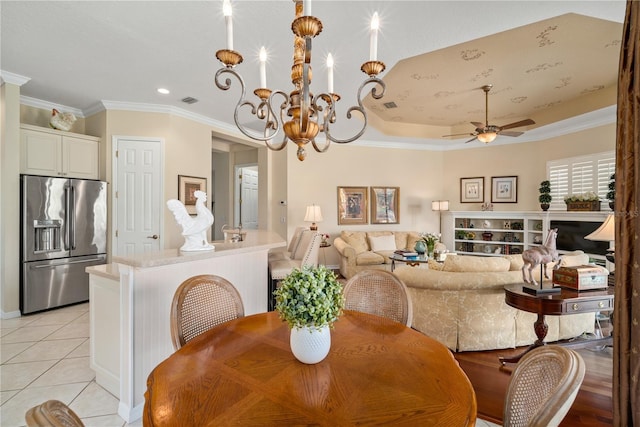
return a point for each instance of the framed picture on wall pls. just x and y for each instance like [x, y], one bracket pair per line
[187, 186]
[352, 205]
[385, 205]
[472, 190]
[504, 189]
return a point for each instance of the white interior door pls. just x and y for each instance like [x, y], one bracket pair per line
[137, 195]
[247, 189]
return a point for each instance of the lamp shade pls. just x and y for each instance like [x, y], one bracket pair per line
[606, 232]
[487, 137]
[440, 205]
[313, 215]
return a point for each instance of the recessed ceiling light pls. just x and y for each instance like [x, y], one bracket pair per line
[163, 91]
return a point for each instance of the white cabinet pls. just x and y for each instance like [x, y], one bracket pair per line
[54, 153]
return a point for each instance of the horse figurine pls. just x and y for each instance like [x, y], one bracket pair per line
[540, 255]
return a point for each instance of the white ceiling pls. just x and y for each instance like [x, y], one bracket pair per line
[85, 54]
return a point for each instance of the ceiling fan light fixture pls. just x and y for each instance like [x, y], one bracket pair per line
[487, 137]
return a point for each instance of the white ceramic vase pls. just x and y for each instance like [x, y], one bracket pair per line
[310, 345]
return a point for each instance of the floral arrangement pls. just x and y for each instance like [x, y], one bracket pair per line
[311, 296]
[324, 237]
[589, 196]
[430, 238]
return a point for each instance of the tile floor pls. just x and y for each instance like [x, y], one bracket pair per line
[46, 356]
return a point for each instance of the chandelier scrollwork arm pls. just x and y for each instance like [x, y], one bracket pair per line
[360, 108]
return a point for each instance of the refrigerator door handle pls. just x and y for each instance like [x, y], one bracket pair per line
[72, 217]
[67, 199]
[37, 267]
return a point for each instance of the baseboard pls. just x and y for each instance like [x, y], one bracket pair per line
[10, 314]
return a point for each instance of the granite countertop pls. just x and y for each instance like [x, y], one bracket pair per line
[255, 240]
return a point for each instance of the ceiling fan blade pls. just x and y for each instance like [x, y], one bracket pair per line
[525, 122]
[472, 139]
[510, 133]
[460, 134]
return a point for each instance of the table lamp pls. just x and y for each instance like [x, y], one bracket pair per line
[606, 233]
[313, 215]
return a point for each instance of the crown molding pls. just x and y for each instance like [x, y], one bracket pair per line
[46, 105]
[12, 78]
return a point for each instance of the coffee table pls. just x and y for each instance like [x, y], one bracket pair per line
[568, 301]
[412, 261]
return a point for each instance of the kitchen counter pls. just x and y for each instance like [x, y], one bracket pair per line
[130, 302]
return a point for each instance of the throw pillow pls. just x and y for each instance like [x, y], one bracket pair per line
[382, 243]
[357, 239]
[475, 264]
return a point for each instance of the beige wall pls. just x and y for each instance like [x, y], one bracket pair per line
[9, 199]
[527, 161]
[316, 180]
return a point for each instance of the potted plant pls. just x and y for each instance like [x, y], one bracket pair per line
[545, 196]
[310, 300]
[427, 243]
[611, 194]
[588, 201]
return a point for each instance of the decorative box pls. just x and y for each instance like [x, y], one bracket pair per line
[593, 205]
[581, 278]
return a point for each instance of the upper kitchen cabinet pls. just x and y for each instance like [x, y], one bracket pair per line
[55, 153]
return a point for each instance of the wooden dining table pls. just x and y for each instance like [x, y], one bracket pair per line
[378, 372]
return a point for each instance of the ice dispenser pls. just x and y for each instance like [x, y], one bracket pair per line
[47, 236]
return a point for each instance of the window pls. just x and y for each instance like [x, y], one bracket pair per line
[576, 175]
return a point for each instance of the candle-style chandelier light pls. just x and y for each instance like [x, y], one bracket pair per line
[301, 115]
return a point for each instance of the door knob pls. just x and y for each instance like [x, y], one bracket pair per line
[154, 237]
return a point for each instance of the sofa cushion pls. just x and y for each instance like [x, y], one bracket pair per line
[357, 239]
[369, 258]
[435, 265]
[574, 259]
[461, 263]
[382, 243]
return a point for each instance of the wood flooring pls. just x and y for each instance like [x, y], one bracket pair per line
[593, 405]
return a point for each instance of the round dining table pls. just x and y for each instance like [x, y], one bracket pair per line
[242, 372]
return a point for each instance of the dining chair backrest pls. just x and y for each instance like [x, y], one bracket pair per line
[543, 387]
[52, 413]
[379, 292]
[200, 303]
[295, 239]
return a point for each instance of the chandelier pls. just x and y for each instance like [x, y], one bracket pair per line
[300, 115]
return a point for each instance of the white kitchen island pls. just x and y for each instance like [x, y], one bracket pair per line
[130, 302]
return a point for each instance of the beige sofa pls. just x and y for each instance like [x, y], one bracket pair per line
[461, 303]
[360, 250]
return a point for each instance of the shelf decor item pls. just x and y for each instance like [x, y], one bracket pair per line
[584, 202]
[310, 300]
[545, 196]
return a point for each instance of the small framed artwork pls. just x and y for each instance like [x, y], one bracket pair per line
[504, 189]
[352, 205]
[385, 205]
[187, 186]
[472, 190]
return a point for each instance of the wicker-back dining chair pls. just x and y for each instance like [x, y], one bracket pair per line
[543, 387]
[200, 303]
[52, 413]
[379, 292]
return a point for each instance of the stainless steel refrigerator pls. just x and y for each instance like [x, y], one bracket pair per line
[63, 230]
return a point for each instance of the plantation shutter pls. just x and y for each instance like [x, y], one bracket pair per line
[577, 175]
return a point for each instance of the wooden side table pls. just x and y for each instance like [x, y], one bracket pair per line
[568, 301]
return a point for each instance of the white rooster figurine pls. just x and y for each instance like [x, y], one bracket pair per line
[61, 121]
[195, 229]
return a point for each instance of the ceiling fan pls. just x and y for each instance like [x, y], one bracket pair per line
[485, 132]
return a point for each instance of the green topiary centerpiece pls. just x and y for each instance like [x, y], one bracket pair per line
[545, 196]
[310, 300]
